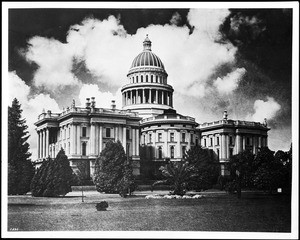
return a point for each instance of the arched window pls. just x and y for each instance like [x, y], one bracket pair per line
[151, 78]
[156, 79]
[172, 151]
[159, 152]
[84, 149]
[146, 78]
[137, 79]
[142, 78]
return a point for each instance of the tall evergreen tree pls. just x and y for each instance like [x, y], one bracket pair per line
[20, 167]
[113, 172]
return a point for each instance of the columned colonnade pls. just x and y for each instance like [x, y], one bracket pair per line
[147, 95]
[94, 143]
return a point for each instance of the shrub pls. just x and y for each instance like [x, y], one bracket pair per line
[102, 206]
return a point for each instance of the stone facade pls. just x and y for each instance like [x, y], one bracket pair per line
[147, 122]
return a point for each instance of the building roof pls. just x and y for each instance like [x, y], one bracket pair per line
[147, 57]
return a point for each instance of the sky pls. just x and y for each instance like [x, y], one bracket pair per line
[239, 60]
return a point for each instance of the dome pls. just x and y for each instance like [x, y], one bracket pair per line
[147, 57]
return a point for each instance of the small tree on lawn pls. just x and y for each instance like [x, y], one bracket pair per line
[241, 170]
[62, 177]
[269, 170]
[40, 180]
[53, 178]
[179, 175]
[20, 168]
[206, 165]
[113, 171]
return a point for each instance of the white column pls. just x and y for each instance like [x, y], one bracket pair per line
[227, 146]
[165, 136]
[116, 133]
[254, 144]
[97, 139]
[223, 147]
[238, 144]
[133, 142]
[178, 145]
[244, 143]
[137, 141]
[156, 96]
[124, 139]
[92, 139]
[150, 96]
[72, 138]
[188, 135]
[38, 145]
[47, 142]
[100, 138]
[144, 96]
[78, 140]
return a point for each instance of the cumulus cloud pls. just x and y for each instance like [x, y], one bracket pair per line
[32, 106]
[265, 109]
[230, 82]
[17, 88]
[55, 61]
[108, 51]
[103, 99]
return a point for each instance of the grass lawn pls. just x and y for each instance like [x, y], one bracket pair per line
[214, 212]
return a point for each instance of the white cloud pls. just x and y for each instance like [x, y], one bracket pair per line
[265, 109]
[55, 61]
[103, 99]
[17, 88]
[230, 82]
[108, 51]
[31, 106]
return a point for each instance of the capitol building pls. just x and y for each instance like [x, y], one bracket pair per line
[149, 128]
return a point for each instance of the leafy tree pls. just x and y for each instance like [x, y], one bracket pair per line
[268, 173]
[20, 168]
[113, 172]
[206, 165]
[53, 178]
[179, 175]
[241, 170]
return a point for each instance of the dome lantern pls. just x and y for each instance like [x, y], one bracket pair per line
[147, 44]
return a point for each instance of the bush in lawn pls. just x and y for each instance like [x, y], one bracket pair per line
[179, 175]
[102, 206]
[53, 178]
[113, 171]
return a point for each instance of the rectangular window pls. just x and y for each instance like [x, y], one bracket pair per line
[107, 132]
[192, 138]
[218, 153]
[160, 137]
[69, 132]
[230, 152]
[230, 140]
[172, 151]
[84, 131]
[218, 141]
[183, 137]
[172, 137]
[150, 137]
[211, 141]
[65, 132]
[127, 134]
[204, 142]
